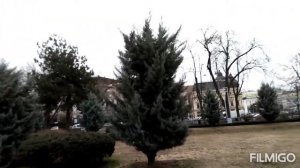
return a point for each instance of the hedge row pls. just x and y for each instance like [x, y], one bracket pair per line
[65, 149]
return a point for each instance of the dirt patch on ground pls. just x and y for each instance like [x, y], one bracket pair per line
[221, 147]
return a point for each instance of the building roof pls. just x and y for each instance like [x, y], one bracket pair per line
[103, 83]
[220, 81]
[210, 85]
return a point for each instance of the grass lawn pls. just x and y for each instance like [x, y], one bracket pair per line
[219, 147]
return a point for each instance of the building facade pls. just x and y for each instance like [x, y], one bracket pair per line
[193, 101]
[108, 87]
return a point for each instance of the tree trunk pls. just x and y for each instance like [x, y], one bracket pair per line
[227, 105]
[236, 93]
[226, 95]
[151, 157]
[201, 95]
[237, 104]
[297, 96]
[68, 118]
[199, 92]
[68, 112]
[47, 118]
[216, 85]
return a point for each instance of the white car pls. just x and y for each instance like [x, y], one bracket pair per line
[54, 128]
[77, 127]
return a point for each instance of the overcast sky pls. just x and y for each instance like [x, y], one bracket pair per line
[95, 26]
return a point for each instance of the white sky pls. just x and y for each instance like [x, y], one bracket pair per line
[94, 26]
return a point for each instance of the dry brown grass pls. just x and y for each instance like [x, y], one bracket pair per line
[221, 147]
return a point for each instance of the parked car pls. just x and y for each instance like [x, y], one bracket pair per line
[77, 127]
[54, 128]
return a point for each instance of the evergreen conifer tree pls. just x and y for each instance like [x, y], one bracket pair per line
[19, 112]
[92, 111]
[150, 108]
[267, 103]
[64, 79]
[211, 110]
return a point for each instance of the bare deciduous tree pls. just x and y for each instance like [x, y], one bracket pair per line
[294, 78]
[296, 64]
[234, 62]
[195, 70]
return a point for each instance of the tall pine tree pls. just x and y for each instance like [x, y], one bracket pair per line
[19, 112]
[64, 79]
[267, 103]
[150, 109]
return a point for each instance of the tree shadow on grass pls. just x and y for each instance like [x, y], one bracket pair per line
[110, 163]
[186, 163]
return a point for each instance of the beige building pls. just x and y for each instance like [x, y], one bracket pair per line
[108, 87]
[192, 100]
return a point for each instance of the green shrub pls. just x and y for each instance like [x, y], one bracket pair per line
[284, 116]
[65, 149]
[267, 102]
[211, 111]
[112, 132]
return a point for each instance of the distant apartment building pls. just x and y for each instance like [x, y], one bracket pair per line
[192, 100]
[287, 100]
[249, 98]
[107, 87]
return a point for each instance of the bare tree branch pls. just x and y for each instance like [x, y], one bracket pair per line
[252, 46]
[295, 70]
[206, 43]
[219, 48]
